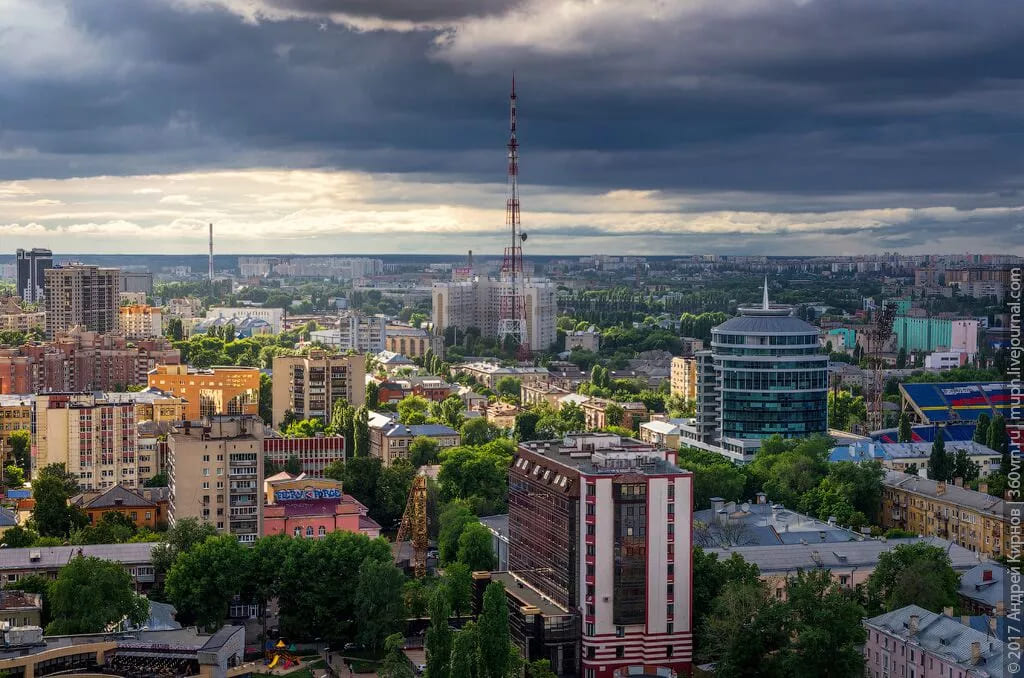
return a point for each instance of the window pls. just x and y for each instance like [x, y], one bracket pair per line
[591, 653]
[590, 628]
[297, 532]
[591, 489]
[671, 569]
[321, 531]
[668, 650]
[669, 627]
[671, 491]
[620, 631]
[620, 652]
[309, 531]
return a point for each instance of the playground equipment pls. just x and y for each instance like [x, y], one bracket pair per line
[280, 654]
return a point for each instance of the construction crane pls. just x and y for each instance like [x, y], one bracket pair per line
[877, 336]
[414, 525]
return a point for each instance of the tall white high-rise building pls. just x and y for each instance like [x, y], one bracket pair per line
[355, 331]
[477, 303]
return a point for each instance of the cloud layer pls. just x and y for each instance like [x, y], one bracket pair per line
[645, 124]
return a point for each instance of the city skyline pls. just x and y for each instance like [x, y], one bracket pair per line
[307, 126]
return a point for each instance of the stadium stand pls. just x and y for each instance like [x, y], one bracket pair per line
[956, 402]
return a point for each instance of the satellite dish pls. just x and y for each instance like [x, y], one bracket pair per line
[522, 236]
[745, 507]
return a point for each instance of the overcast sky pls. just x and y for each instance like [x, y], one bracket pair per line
[646, 126]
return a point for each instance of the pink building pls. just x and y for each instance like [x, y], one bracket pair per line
[311, 508]
[914, 643]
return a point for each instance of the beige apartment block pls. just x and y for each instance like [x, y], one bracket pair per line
[216, 474]
[94, 438]
[310, 385]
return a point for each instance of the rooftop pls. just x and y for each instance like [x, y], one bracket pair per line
[788, 558]
[397, 430]
[527, 595]
[960, 496]
[975, 586]
[600, 453]
[763, 524]
[945, 637]
[497, 523]
[48, 557]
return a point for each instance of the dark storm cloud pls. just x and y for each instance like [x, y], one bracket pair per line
[408, 10]
[802, 101]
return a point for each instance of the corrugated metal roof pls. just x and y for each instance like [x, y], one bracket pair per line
[767, 324]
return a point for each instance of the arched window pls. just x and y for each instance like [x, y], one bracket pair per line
[309, 531]
[321, 531]
[297, 531]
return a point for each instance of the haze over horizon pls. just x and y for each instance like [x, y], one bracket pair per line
[344, 126]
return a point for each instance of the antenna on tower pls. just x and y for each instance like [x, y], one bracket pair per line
[512, 319]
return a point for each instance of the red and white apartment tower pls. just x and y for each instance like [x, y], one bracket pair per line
[511, 299]
[636, 585]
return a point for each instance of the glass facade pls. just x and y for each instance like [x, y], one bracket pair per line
[543, 519]
[630, 600]
[772, 381]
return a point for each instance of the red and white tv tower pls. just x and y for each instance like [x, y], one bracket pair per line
[512, 307]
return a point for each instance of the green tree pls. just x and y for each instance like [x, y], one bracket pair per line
[203, 581]
[981, 429]
[494, 641]
[453, 520]
[906, 433]
[449, 412]
[477, 431]
[918, 574]
[999, 441]
[613, 414]
[182, 537]
[458, 584]
[380, 607]
[372, 393]
[964, 467]
[710, 576]
[540, 668]
[845, 409]
[509, 387]
[466, 653]
[266, 399]
[90, 594]
[21, 444]
[361, 432]
[827, 630]
[161, 479]
[439, 636]
[745, 632]
[786, 469]
[475, 549]
[476, 472]
[395, 664]
[423, 450]
[940, 467]
[17, 537]
[416, 598]
[14, 477]
[343, 419]
[526, 425]
[52, 515]
[413, 409]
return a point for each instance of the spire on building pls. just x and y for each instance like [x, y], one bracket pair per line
[764, 302]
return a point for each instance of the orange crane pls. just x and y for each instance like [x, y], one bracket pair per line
[414, 525]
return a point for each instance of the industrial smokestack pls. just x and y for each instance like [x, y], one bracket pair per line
[211, 255]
